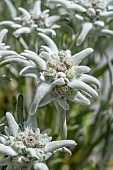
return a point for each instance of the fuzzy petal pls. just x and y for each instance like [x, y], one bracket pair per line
[107, 31]
[77, 58]
[32, 152]
[63, 103]
[7, 150]
[37, 8]
[41, 91]
[46, 100]
[47, 31]
[80, 99]
[89, 79]
[13, 126]
[52, 19]
[107, 14]
[36, 59]
[99, 23]
[54, 145]
[15, 60]
[46, 56]
[7, 52]
[22, 30]
[79, 85]
[86, 28]
[7, 23]
[81, 69]
[63, 150]
[58, 82]
[49, 42]
[25, 12]
[11, 7]
[2, 34]
[5, 161]
[29, 71]
[40, 166]
[47, 49]
[31, 121]
[2, 140]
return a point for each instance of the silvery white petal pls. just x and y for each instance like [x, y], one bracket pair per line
[49, 42]
[16, 26]
[47, 49]
[11, 8]
[29, 71]
[63, 150]
[9, 167]
[31, 121]
[30, 52]
[59, 81]
[80, 99]
[99, 23]
[25, 12]
[2, 140]
[81, 69]
[79, 17]
[47, 131]
[22, 30]
[32, 152]
[79, 85]
[54, 145]
[48, 155]
[76, 7]
[7, 52]
[89, 79]
[37, 7]
[15, 60]
[47, 31]
[46, 100]
[40, 166]
[7, 150]
[63, 103]
[77, 58]
[13, 126]
[46, 56]
[36, 59]
[86, 28]
[42, 89]
[70, 4]
[8, 23]
[5, 161]
[107, 31]
[106, 14]
[7, 131]
[2, 34]
[51, 20]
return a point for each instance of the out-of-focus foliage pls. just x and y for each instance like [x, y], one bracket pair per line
[90, 126]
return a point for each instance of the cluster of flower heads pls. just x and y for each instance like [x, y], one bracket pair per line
[30, 20]
[28, 148]
[93, 17]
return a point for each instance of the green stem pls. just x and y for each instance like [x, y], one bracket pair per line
[62, 116]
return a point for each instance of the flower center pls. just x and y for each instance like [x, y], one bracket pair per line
[62, 91]
[20, 162]
[30, 141]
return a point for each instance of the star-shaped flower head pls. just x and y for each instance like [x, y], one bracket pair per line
[4, 49]
[33, 19]
[60, 78]
[94, 20]
[28, 148]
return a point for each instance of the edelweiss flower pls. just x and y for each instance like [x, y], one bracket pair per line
[58, 75]
[4, 49]
[94, 20]
[36, 18]
[28, 148]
